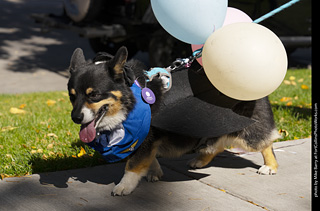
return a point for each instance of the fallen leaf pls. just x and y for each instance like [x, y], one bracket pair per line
[8, 128]
[289, 103]
[50, 102]
[292, 78]
[50, 146]
[303, 86]
[286, 133]
[40, 151]
[33, 151]
[4, 176]
[82, 152]
[293, 83]
[59, 154]
[52, 135]
[300, 80]
[286, 82]
[22, 106]
[14, 110]
[285, 99]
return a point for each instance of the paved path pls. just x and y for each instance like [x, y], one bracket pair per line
[30, 60]
[230, 182]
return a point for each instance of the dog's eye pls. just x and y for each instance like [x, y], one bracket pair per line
[94, 95]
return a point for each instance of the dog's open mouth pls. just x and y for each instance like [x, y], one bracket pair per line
[88, 131]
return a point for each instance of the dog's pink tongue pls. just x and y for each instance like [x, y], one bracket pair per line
[87, 132]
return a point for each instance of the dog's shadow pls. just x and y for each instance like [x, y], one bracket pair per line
[231, 160]
[174, 170]
[104, 174]
[223, 160]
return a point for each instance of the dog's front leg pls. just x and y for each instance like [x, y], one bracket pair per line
[136, 168]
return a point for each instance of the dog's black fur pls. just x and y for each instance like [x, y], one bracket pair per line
[101, 90]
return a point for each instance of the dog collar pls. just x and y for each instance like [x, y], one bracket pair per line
[126, 138]
[162, 73]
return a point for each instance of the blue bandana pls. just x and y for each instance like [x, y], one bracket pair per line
[120, 143]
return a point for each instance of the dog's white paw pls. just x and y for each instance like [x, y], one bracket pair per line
[266, 170]
[127, 184]
[122, 189]
[195, 163]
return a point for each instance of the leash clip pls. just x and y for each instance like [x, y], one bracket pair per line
[179, 64]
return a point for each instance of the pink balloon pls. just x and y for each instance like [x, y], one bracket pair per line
[235, 16]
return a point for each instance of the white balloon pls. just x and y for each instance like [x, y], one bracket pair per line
[245, 61]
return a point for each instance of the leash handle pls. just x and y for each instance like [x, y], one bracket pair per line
[275, 11]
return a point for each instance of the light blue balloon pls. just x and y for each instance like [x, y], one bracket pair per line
[191, 21]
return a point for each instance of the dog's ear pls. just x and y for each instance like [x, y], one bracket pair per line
[77, 60]
[116, 64]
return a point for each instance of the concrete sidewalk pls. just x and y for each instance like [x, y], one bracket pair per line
[30, 60]
[230, 182]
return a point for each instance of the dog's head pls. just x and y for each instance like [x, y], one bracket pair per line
[99, 92]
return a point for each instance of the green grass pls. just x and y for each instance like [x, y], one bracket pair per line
[44, 138]
[291, 104]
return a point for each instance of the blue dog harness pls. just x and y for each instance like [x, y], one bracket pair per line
[127, 137]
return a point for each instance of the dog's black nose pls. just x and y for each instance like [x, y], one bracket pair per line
[77, 118]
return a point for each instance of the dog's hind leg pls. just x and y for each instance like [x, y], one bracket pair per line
[270, 163]
[136, 168]
[207, 154]
[155, 171]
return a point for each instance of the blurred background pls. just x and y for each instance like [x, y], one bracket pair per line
[40, 35]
